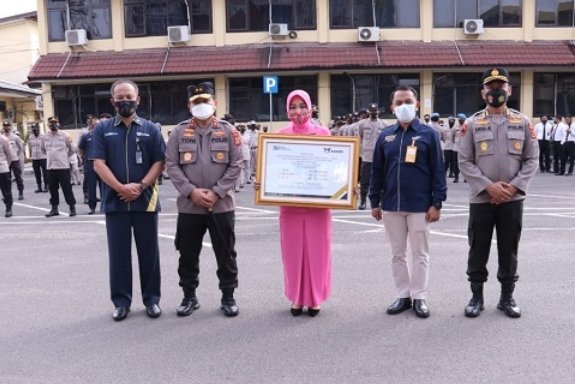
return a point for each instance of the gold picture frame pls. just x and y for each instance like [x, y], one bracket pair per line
[307, 171]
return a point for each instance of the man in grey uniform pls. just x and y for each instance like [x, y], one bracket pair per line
[369, 130]
[498, 156]
[17, 153]
[5, 182]
[204, 157]
[38, 158]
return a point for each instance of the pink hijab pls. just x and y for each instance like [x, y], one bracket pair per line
[304, 126]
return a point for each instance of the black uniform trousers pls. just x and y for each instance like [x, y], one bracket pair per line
[364, 179]
[557, 156]
[507, 219]
[40, 172]
[91, 180]
[544, 156]
[451, 165]
[568, 156]
[60, 178]
[6, 188]
[119, 226]
[189, 236]
[16, 169]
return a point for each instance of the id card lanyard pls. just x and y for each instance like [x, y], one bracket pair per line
[411, 152]
[139, 156]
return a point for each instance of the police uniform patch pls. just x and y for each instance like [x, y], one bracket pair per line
[517, 145]
[187, 156]
[237, 138]
[389, 138]
[188, 132]
[220, 156]
[219, 134]
[532, 131]
[483, 146]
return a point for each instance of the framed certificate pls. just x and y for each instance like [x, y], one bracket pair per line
[307, 171]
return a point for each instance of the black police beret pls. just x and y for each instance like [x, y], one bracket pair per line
[203, 90]
[495, 73]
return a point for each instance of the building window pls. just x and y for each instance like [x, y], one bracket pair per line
[92, 15]
[461, 93]
[494, 13]
[554, 13]
[381, 13]
[350, 93]
[248, 101]
[254, 15]
[153, 17]
[164, 102]
[555, 94]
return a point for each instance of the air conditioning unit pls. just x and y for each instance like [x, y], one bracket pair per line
[39, 103]
[367, 34]
[278, 29]
[472, 26]
[76, 37]
[178, 34]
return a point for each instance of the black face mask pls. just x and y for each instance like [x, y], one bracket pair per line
[373, 115]
[451, 124]
[496, 97]
[35, 132]
[53, 127]
[126, 108]
[427, 120]
[314, 115]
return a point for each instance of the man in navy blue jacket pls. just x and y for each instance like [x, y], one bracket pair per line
[407, 189]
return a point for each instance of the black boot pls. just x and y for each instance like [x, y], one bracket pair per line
[229, 306]
[506, 302]
[475, 305]
[456, 179]
[362, 204]
[72, 210]
[8, 211]
[45, 188]
[53, 212]
[20, 195]
[39, 189]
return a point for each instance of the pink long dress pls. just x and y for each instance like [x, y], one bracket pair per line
[305, 235]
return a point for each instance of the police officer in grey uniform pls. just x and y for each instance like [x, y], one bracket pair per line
[369, 130]
[17, 153]
[38, 159]
[5, 182]
[204, 157]
[498, 156]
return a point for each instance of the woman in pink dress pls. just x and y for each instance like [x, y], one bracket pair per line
[305, 233]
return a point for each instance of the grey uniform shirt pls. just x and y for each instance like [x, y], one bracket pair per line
[369, 131]
[496, 148]
[210, 158]
[35, 147]
[16, 146]
[58, 148]
[5, 155]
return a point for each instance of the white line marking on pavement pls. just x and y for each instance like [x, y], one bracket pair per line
[552, 196]
[38, 208]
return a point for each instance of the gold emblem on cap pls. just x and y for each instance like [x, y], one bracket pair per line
[483, 146]
[494, 72]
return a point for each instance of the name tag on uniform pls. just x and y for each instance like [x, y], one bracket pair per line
[411, 152]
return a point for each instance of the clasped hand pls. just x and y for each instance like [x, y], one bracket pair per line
[501, 192]
[204, 198]
[129, 192]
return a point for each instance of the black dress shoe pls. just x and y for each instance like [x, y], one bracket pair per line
[189, 305]
[296, 311]
[229, 307]
[362, 206]
[153, 311]
[420, 308]
[313, 312]
[91, 211]
[399, 305]
[72, 211]
[120, 313]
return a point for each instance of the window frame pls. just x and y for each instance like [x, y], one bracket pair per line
[459, 23]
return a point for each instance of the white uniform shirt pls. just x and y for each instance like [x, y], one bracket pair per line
[540, 130]
[560, 132]
[569, 134]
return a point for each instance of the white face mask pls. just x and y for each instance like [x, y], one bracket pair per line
[202, 111]
[405, 113]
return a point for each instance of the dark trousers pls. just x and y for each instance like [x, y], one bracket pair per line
[6, 188]
[556, 156]
[544, 156]
[40, 172]
[568, 156]
[364, 179]
[91, 182]
[60, 178]
[450, 158]
[507, 219]
[16, 169]
[189, 236]
[119, 226]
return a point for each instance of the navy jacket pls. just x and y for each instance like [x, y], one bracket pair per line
[408, 187]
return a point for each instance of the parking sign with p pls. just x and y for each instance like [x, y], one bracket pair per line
[270, 84]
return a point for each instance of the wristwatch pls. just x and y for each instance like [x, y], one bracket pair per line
[143, 186]
[438, 205]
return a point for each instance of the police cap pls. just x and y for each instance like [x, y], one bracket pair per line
[203, 90]
[495, 73]
[6, 123]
